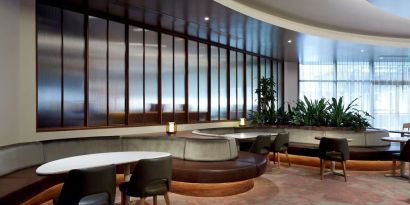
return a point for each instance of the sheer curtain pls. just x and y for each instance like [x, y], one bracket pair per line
[381, 87]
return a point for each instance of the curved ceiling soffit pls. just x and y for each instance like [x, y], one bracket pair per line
[267, 17]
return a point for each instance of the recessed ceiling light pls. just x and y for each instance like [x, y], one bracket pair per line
[289, 41]
[362, 50]
[206, 18]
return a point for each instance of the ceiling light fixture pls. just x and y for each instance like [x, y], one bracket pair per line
[289, 41]
[362, 50]
[206, 18]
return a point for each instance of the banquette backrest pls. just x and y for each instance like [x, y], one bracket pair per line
[57, 149]
[173, 145]
[19, 156]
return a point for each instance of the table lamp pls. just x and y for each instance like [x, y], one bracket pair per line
[171, 128]
[242, 122]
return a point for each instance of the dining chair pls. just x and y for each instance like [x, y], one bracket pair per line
[333, 149]
[261, 145]
[280, 145]
[150, 177]
[406, 126]
[95, 186]
[403, 156]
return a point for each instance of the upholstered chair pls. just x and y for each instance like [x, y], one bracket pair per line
[261, 145]
[280, 145]
[333, 149]
[403, 156]
[150, 177]
[95, 186]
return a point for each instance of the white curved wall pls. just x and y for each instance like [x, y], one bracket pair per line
[263, 14]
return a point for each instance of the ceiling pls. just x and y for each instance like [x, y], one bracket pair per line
[397, 7]
[231, 27]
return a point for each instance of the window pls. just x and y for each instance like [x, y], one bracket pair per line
[382, 87]
[94, 72]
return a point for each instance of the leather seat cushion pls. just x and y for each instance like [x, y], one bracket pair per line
[246, 166]
[24, 184]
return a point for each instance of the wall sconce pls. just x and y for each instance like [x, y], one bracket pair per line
[242, 122]
[171, 128]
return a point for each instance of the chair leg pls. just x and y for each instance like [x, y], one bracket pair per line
[409, 172]
[344, 170]
[278, 160]
[394, 167]
[267, 159]
[155, 200]
[166, 199]
[274, 157]
[142, 201]
[322, 168]
[287, 157]
[122, 198]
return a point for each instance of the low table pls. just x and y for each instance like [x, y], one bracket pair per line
[64, 165]
[402, 141]
[248, 135]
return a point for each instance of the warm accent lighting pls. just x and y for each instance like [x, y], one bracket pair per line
[206, 18]
[171, 128]
[289, 41]
[242, 122]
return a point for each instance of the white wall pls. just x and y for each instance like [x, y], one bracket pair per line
[291, 90]
[18, 82]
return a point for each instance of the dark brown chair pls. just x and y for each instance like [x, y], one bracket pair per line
[261, 145]
[94, 186]
[280, 145]
[333, 149]
[403, 156]
[151, 177]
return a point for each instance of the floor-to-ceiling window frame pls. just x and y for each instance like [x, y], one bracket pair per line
[381, 86]
[109, 73]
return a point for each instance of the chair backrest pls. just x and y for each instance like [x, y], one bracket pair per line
[81, 183]
[406, 126]
[334, 145]
[261, 145]
[405, 152]
[281, 141]
[150, 172]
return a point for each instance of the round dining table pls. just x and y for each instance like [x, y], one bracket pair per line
[249, 135]
[64, 165]
[402, 141]
[401, 132]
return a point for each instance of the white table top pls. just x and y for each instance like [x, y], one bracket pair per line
[400, 131]
[249, 135]
[95, 160]
[395, 139]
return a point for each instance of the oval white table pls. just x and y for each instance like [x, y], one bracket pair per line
[402, 141]
[64, 165]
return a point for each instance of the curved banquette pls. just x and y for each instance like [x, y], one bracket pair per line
[367, 138]
[212, 160]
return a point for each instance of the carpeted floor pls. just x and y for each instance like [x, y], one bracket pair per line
[302, 185]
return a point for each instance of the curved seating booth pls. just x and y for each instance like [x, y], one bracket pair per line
[201, 166]
[306, 135]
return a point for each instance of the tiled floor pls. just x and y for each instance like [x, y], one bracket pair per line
[302, 185]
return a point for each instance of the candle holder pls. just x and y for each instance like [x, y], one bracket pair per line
[242, 122]
[171, 128]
